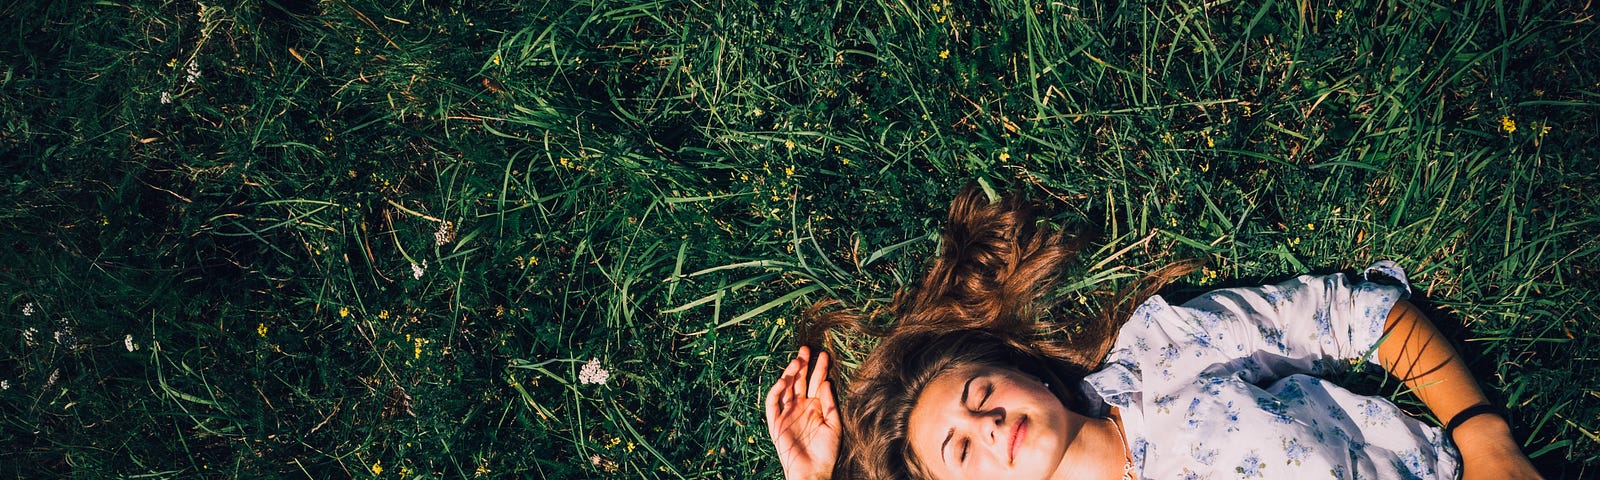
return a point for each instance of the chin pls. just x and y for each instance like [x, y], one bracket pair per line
[1044, 459]
[1036, 468]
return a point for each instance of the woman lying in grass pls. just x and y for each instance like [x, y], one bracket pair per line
[978, 381]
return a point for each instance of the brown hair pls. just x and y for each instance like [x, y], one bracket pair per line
[986, 300]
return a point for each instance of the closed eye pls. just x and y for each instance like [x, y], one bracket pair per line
[987, 391]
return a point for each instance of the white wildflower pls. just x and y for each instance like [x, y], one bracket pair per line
[592, 373]
[416, 271]
[54, 375]
[127, 342]
[5, 384]
[65, 338]
[27, 310]
[191, 72]
[166, 98]
[594, 459]
[27, 335]
[445, 234]
[64, 335]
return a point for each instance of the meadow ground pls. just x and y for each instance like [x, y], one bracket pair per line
[345, 238]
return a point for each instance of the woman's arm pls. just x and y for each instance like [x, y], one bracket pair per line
[1414, 352]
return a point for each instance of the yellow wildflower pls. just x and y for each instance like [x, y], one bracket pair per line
[1508, 124]
[383, 315]
[630, 447]
[1004, 156]
[789, 144]
[789, 170]
[944, 54]
[377, 468]
[344, 312]
[261, 329]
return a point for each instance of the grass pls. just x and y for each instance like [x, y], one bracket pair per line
[382, 239]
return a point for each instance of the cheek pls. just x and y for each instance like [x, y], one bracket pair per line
[1038, 396]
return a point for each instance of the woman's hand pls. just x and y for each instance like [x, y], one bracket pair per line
[803, 419]
[1489, 452]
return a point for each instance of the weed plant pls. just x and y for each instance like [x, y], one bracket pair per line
[415, 239]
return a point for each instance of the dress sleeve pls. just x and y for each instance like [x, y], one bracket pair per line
[1310, 324]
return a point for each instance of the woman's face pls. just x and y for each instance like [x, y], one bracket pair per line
[988, 422]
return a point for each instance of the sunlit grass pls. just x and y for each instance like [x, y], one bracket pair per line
[303, 239]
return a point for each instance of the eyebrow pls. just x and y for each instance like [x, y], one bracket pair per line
[966, 387]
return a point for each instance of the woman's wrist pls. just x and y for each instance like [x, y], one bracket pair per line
[1484, 435]
[1472, 412]
[1488, 450]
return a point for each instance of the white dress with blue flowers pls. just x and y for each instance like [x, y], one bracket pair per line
[1225, 386]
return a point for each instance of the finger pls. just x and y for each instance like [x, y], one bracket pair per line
[775, 400]
[829, 408]
[818, 374]
[791, 372]
[794, 366]
[777, 389]
[799, 385]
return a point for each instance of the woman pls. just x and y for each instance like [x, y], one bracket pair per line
[978, 381]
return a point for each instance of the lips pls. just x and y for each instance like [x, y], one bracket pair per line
[1016, 438]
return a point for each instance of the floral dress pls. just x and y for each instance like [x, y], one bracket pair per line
[1225, 386]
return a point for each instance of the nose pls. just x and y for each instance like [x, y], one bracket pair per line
[989, 425]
